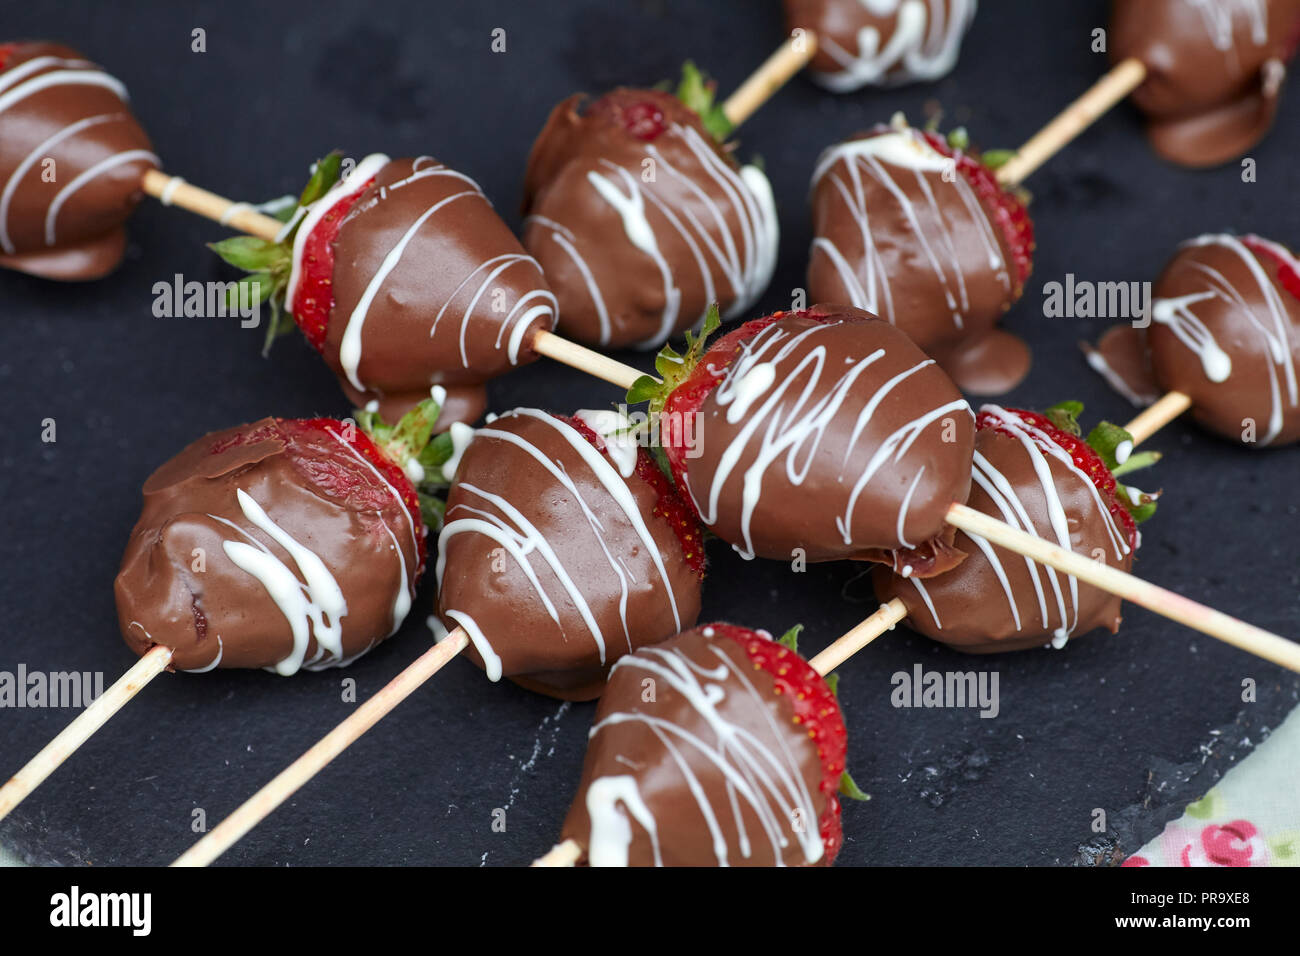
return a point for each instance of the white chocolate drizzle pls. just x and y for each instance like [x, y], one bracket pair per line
[788, 422]
[760, 773]
[501, 521]
[734, 262]
[923, 45]
[888, 160]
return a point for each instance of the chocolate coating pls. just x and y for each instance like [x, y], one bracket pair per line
[554, 562]
[639, 236]
[227, 583]
[712, 770]
[997, 600]
[897, 233]
[1226, 332]
[881, 43]
[71, 160]
[430, 288]
[1215, 70]
[832, 433]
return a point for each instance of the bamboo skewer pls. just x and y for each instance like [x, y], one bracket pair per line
[65, 744]
[1156, 416]
[790, 57]
[261, 804]
[1224, 627]
[1118, 83]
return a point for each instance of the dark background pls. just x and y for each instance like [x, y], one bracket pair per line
[1137, 724]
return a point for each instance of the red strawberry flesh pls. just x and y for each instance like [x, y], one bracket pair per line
[668, 504]
[1083, 456]
[1003, 206]
[688, 397]
[1287, 273]
[815, 709]
[313, 297]
[313, 446]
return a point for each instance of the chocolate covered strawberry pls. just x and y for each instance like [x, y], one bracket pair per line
[871, 43]
[641, 219]
[564, 548]
[1037, 473]
[1224, 331]
[402, 276]
[281, 544]
[916, 228]
[71, 160]
[817, 435]
[717, 747]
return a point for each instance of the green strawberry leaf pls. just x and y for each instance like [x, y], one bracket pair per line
[699, 93]
[997, 158]
[959, 138]
[643, 389]
[674, 367]
[410, 438]
[1110, 442]
[833, 682]
[250, 253]
[1065, 416]
[850, 789]
[280, 323]
[271, 262]
[432, 511]
[437, 453]
[1143, 459]
[254, 289]
[324, 174]
[790, 638]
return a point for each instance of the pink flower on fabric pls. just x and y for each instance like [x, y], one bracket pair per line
[1233, 844]
[1136, 861]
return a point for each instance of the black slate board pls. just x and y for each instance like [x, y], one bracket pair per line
[1137, 724]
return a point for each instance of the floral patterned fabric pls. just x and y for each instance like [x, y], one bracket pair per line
[1252, 818]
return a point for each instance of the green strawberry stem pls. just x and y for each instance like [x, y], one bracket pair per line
[271, 262]
[412, 442]
[699, 93]
[1106, 440]
[673, 367]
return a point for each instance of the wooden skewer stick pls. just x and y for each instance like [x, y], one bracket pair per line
[63, 746]
[855, 640]
[1230, 630]
[1122, 80]
[790, 57]
[567, 853]
[174, 191]
[1157, 416]
[285, 784]
[246, 219]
